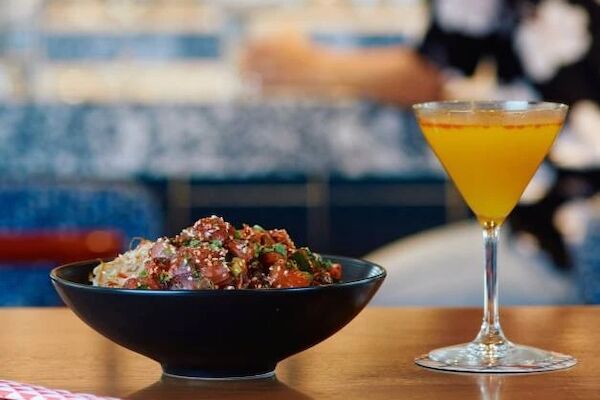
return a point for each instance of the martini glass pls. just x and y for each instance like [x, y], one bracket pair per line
[491, 150]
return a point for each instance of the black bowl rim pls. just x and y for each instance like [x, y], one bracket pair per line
[57, 279]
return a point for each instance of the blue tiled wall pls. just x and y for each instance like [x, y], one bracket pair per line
[71, 47]
[130, 209]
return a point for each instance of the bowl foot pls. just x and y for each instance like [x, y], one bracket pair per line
[221, 375]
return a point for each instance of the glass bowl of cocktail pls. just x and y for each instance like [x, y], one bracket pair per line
[491, 150]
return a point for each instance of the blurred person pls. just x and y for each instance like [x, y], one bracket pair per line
[290, 62]
[536, 48]
[495, 49]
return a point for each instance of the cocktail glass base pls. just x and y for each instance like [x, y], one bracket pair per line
[515, 359]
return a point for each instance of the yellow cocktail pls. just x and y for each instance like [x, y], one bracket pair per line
[491, 158]
[491, 150]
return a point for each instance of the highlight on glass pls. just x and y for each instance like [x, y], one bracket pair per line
[491, 151]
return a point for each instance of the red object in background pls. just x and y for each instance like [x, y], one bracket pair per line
[59, 246]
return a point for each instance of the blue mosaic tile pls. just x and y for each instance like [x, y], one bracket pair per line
[127, 208]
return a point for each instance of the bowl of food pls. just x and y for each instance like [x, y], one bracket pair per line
[217, 302]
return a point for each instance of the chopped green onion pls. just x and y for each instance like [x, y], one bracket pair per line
[237, 266]
[193, 243]
[164, 277]
[308, 276]
[216, 244]
[302, 258]
[258, 228]
[280, 248]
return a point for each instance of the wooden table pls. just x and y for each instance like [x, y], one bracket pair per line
[369, 359]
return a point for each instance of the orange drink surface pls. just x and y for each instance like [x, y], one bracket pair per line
[491, 155]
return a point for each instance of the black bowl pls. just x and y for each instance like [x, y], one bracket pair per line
[219, 333]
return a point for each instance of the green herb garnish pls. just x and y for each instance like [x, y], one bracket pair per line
[237, 266]
[280, 248]
[164, 277]
[216, 244]
[193, 243]
[302, 259]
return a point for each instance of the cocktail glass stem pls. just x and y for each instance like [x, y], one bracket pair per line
[490, 343]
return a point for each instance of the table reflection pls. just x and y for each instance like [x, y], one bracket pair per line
[490, 387]
[176, 389]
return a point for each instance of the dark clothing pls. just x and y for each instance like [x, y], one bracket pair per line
[461, 49]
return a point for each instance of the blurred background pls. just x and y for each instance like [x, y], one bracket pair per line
[129, 118]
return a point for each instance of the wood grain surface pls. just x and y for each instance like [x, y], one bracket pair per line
[371, 358]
